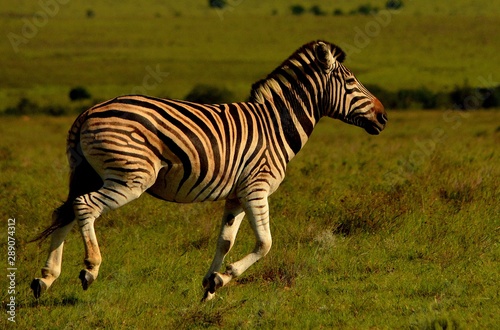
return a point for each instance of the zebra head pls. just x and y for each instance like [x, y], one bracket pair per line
[347, 99]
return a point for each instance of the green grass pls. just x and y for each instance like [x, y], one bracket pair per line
[426, 44]
[369, 232]
[397, 231]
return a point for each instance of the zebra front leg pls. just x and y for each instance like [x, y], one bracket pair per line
[52, 268]
[257, 210]
[231, 220]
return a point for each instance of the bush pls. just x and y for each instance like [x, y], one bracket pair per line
[23, 107]
[297, 9]
[367, 9]
[388, 99]
[491, 97]
[78, 93]
[209, 94]
[217, 3]
[421, 98]
[394, 4]
[338, 12]
[442, 100]
[55, 110]
[90, 13]
[26, 107]
[316, 10]
[469, 98]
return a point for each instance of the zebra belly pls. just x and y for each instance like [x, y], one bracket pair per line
[169, 186]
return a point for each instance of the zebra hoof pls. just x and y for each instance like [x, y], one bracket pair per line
[87, 278]
[214, 282]
[211, 284]
[208, 296]
[38, 286]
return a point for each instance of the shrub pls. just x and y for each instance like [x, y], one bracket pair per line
[443, 100]
[55, 110]
[316, 10]
[297, 9]
[23, 107]
[389, 99]
[394, 4]
[367, 9]
[468, 98]
[421, 98]
[459, 95]
[209, 94]
[491, 97]
[217, 3]
[338, 12]
[26, 107]
[78, 93]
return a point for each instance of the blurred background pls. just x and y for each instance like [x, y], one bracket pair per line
[60, 56]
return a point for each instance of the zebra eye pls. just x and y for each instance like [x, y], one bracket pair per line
[350, 81]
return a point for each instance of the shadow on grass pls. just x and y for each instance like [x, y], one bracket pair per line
[206, 315]
[66, 300]
[436, 322]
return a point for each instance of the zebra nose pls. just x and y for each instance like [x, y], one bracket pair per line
[382, 118]
[379, 111]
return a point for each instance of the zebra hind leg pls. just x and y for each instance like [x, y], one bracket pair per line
[83, 179]
[52, 268]
[88, 208]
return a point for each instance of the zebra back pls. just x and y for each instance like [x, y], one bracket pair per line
[187, 152]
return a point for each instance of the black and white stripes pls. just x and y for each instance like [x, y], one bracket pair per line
[186, 152]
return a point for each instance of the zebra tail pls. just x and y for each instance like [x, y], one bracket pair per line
[83, 179]
[63, 215]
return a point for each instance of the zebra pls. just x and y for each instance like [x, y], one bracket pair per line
[186, 152]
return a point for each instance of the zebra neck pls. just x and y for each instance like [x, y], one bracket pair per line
[293, 117]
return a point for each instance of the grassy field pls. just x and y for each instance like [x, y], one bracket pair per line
[424, 44]
[395, 231]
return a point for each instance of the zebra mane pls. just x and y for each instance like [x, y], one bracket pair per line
[262, 89]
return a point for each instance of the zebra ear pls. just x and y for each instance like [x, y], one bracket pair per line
[324, 56]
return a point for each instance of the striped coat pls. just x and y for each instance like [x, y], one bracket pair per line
[185, 152]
